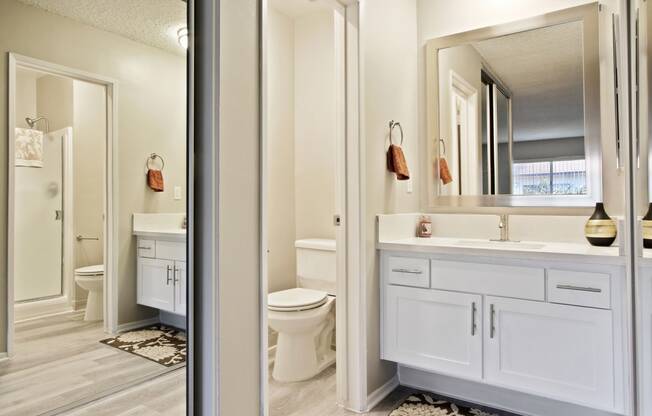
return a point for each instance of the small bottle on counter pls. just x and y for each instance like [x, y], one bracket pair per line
[424, 229]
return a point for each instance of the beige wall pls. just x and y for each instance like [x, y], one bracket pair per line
[301, 137]
[238, 210]
[151, 119]
[388, 40]
[89, 145]
[466, 62]
[280, 153]
[314, 121]
[438, 18]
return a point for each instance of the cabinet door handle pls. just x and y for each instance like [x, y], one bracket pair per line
[492, 320]
[409, 271]
[169, 279]
[580, 288]
[473, 313]
[176, 279]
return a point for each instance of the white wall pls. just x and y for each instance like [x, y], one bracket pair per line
[388, 41]
[437, 18]
[301, 136]
[314, 125]
[466, 62]
[89, 151]
[280, 153]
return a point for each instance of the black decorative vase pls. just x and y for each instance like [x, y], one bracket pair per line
[646, 225]
[600, 229]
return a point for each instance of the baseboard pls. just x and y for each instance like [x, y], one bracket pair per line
[171, 319]
[25, 311]
[79, 304]
[494, 397]
[380, 393]
[137, 324]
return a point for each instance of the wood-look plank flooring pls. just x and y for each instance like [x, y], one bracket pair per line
[165, 396]
[58, 362]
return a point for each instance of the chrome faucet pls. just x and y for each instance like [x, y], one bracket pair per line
[503, 226]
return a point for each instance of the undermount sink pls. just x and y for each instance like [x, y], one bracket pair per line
[501, 244]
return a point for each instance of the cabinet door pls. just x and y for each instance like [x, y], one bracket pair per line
[433, 330]
[156, 283]
[557, 351]
[180, 287]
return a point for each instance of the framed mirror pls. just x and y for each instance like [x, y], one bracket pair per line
[514, 113]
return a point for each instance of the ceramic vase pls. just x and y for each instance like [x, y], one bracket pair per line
[646, 225]
[600, 229]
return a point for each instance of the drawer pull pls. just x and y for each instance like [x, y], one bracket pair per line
[144, 248]
[473, 312]
[492, 319]
[409, 271]
[580, 288]
[169, 279]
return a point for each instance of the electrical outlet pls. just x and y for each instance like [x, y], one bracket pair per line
[409, 186]
[177, 192]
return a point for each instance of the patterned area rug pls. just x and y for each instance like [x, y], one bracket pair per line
[161, 344]
[419, 404]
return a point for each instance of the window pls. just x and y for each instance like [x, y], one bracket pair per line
[550, 177]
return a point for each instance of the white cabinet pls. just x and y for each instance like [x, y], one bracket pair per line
[550, 329]
[180, 287]
[433, 330]
[559, 351]
[162, 276]
[156, 283]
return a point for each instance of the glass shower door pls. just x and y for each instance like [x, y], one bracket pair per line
[38, 256]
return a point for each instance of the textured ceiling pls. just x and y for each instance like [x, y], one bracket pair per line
[543, 70]
[296, 8]
[152, 22]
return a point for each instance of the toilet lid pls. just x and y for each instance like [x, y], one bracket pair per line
[90, 270]
[296, 299]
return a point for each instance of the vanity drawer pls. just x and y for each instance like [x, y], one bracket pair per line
[170, 250]
[146, 248]
[579, 288]
[489, 279]
[406, 271]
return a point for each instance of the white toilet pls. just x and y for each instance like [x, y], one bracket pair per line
[304, 317]
[91, 278]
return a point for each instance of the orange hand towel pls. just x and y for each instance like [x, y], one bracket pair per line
[444, 172]
[396, 163]
[155, 180]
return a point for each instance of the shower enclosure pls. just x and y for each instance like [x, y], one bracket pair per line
[38, 203]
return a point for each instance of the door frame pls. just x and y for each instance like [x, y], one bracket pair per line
[111, 184]
[350, 341]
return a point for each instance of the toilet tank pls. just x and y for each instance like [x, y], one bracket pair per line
[316, 264]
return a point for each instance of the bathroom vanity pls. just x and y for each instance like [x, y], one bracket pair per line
[162, 271]
[544, 319]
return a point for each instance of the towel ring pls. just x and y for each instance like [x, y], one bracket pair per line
[442, 142]
[393, 124]
[152, 158]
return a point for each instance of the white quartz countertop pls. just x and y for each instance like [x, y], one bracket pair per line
[160, 226]
[524, 249]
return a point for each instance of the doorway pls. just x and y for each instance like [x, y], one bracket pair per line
[310, 142]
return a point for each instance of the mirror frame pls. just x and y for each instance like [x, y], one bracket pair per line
[589, 16]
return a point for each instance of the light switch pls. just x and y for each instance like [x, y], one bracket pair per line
[177, 192]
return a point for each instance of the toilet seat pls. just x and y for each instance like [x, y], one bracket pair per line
[297, 299]
[95, 270]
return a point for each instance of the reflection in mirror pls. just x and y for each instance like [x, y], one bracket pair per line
[511, 114]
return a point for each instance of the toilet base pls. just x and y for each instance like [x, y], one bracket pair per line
[94, 306]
